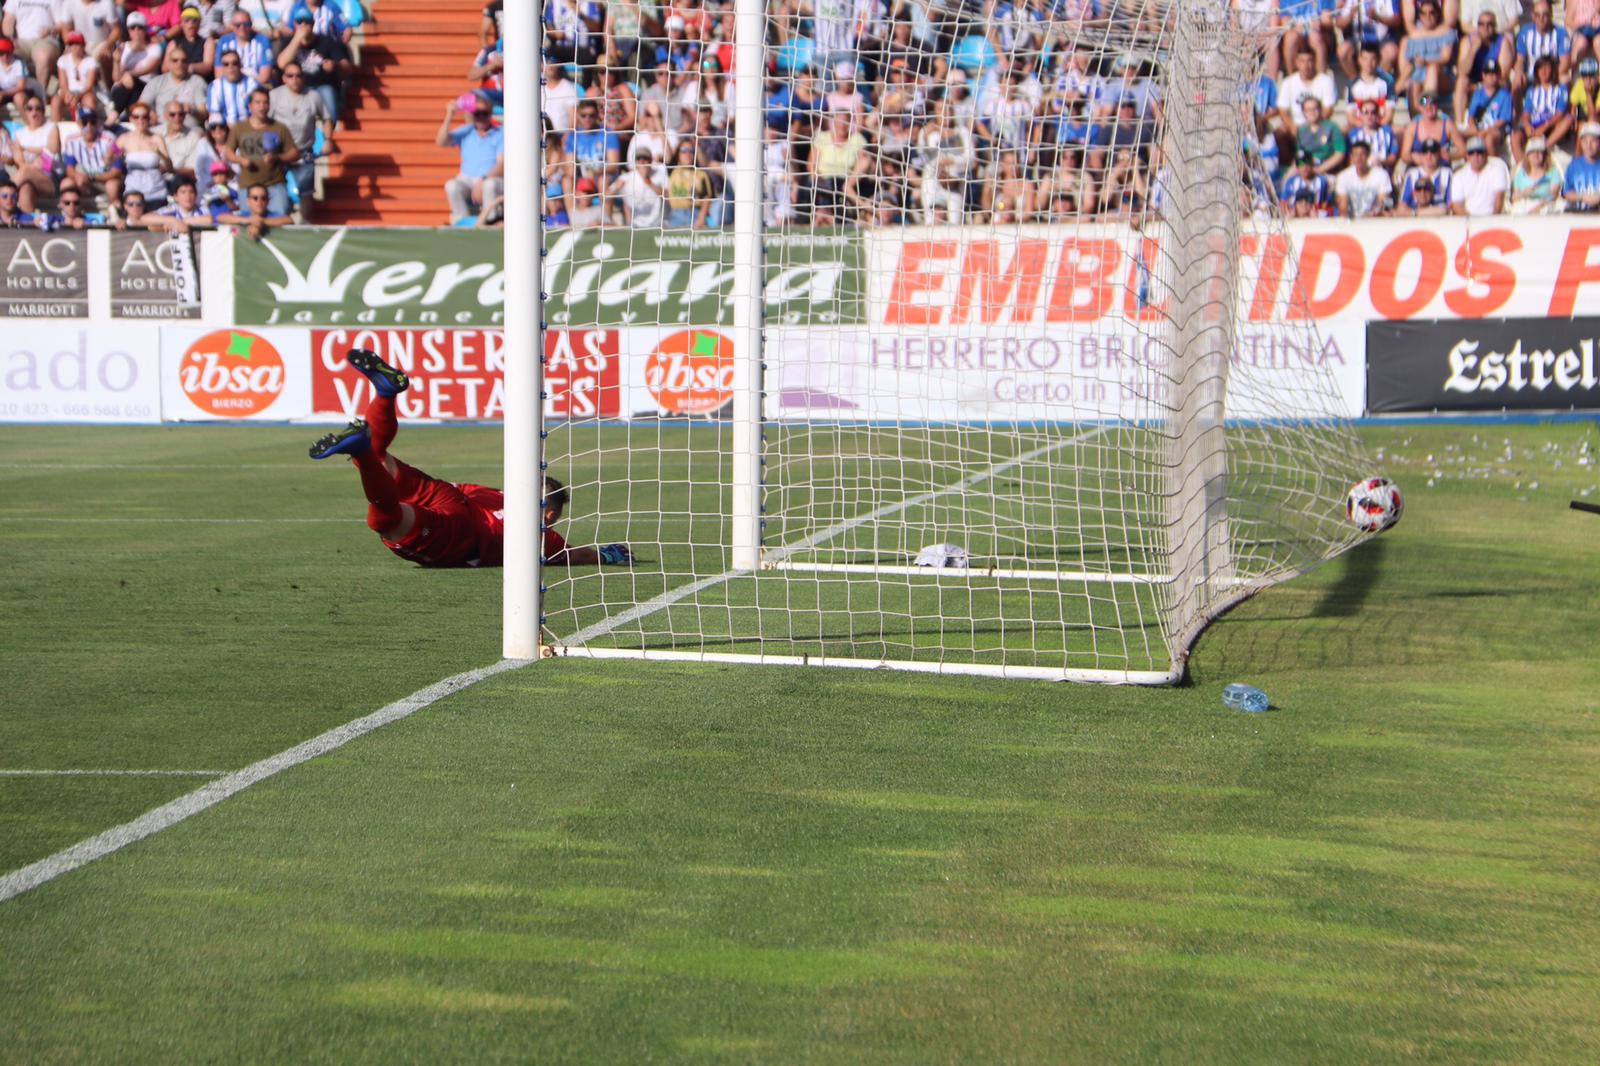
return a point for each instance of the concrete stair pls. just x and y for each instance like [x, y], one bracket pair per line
[414, 59]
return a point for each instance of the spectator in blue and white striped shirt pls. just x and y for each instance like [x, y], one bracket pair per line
[1546, 109]
[230, 93]
[88, 155]
[1377, 135]
[326, 20]
[1540, 38]
[253, 48]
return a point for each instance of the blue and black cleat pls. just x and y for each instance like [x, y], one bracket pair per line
[386, 380]
[351, 440]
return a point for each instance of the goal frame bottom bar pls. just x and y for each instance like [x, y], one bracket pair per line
[1035, 673]
[971, 571]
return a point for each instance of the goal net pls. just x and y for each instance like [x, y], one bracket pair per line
[1014, 379]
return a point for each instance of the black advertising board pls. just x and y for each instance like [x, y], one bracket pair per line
[154, 275]
[46, 274]
[1492, 364]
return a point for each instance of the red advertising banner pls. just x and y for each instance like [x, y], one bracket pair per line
[1388, 269]
[457, 375]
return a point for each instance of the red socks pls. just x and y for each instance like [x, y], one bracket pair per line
[382, 424]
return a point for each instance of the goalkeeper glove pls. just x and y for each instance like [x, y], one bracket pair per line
[615, 554]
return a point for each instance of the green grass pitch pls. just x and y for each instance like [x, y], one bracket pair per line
[617, 862]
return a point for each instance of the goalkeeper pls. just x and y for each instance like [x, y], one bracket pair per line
[428, 521]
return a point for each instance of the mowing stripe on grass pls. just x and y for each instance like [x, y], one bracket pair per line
[112, 773]
[173, 521]
[170, 814]
[671, 596]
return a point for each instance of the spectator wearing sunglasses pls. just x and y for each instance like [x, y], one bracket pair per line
[255, 51]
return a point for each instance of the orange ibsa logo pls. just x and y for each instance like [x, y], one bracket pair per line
[691, 372]
[231, 373]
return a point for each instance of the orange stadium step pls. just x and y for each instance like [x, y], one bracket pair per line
[414, 59]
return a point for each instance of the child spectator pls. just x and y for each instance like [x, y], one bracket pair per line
[1546, 109]
[1582, 179]
[1369, 84]
[1368, 24]
[1490, 113]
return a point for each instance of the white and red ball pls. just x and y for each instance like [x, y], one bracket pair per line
[1373, 504]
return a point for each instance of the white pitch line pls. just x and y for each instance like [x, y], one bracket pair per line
[112, 773]
[186, 806]
[668, 598]
[150, 520]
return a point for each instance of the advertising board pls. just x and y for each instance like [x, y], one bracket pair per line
[234, 375]
[55, 373]
[46, 274]
[1527, 364]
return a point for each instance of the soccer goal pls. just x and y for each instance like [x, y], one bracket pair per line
[1006, 375]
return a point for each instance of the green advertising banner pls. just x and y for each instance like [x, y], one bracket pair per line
[596, 278]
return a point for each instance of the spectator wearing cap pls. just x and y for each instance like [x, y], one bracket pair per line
[1490, 113]
[14, 80]
[641, 191]
[98, 22]
[177, 83]
[1363, 190]
[1480, 187]
[1582, 179]
[1536, 185]
[254, 50]
[1484, 43]
[1321, 139]
[35, 27]
[482, 145]
[1427, 62]
[162, 15]
[1422, 200]
[140, 57]
[1378, 136]
[1432, 125]
[1370, 84]
[324, 61]
[88, 155]
[1538, 39]
[263, 150]
[1304, 180]
[183, 139]
[303, 113]
[1546, 108]
[1368, 24]
[200, 50]
[1585, 94]
[1430, 172]
[77, 78]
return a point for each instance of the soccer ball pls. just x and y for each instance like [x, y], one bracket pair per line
[1373, 504]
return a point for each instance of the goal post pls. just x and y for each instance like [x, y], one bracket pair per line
[1008, 375]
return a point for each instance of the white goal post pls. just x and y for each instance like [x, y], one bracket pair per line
[1051, 340]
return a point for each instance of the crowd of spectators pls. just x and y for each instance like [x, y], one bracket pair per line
[167, 114]
[884, 112]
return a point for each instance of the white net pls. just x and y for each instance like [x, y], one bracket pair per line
[1038, 396]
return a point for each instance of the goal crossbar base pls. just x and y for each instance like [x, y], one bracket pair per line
[971, 571]
[1034, 673]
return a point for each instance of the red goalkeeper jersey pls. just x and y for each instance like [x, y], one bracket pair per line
[456, 525]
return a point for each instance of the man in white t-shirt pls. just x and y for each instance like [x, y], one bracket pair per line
[559, 97]
[1305, 81]
[641, 191]
[1363, 190]
[34, 25]
[1479, 188]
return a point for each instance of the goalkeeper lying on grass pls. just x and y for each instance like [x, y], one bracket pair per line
[433, 522]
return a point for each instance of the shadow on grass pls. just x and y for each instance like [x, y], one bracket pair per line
[1362, 569]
